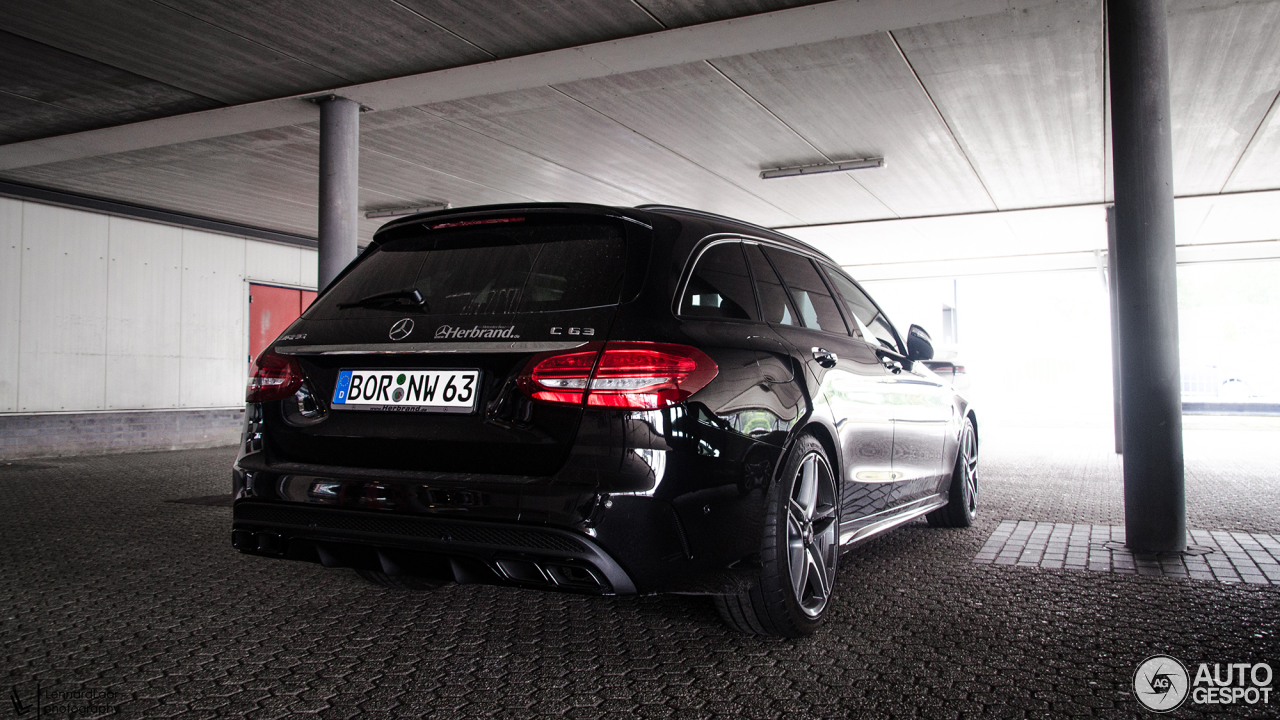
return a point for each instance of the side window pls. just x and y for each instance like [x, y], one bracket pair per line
[720, 286]
[773, 299]
[871, 322]
[809, 294]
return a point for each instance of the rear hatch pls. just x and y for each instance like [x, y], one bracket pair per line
[414, 354]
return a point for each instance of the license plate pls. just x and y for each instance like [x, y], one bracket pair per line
[447, 391]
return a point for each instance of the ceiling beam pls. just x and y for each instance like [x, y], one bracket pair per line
[709, 41]
[77, 201]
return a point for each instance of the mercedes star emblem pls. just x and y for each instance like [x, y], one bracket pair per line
[401, 329]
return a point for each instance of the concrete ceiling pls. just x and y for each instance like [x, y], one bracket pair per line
[986, 112]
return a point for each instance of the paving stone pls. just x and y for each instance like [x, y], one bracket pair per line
[1110, 557]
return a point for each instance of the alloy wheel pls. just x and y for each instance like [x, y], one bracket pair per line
[812, 542]
[969, 466]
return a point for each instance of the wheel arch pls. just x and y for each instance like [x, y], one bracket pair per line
[825, 437]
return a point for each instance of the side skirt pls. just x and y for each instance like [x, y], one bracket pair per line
[891, 519]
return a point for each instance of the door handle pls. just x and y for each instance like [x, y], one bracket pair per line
[891, 364]
[825, 358]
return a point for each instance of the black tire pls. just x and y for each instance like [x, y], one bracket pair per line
[399, 582]
[799, 551]
[962, 506]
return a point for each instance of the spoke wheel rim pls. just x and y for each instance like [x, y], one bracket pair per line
[812, 529]
[969, 466]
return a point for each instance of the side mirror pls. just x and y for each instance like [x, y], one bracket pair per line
[919, 344]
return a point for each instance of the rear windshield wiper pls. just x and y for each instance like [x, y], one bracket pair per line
[393, 299]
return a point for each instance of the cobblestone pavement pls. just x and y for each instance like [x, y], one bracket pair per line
[141, 606]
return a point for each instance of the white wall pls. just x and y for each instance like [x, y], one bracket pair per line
[10, 294]
[143, 327]
[107, 313]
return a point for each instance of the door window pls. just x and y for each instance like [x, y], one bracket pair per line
[773, 298]
[871, 322]
[719, 286]
[809, 295]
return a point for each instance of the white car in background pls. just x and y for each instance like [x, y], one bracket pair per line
[951, 371]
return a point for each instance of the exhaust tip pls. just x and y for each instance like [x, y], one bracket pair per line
[576, 576]
[522, 571]
[269, 543]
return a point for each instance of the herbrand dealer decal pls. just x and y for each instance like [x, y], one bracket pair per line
[478, 332]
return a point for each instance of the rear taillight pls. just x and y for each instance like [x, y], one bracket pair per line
[622, 375]
[560, 378]
[649, 375]
[274, 377]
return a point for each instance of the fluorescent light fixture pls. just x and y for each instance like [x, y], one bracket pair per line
[844, 166]
[402, 211]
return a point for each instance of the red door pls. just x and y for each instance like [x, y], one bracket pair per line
[271, 310]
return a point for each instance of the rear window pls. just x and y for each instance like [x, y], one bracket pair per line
[523, 265]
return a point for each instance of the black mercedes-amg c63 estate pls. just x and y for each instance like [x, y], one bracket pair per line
[601, 400]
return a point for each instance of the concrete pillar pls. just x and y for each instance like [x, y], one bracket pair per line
[1146, 276]
[1113, 295]
[339, 184]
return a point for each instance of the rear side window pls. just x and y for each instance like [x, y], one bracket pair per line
[809, 294]
[719, 286]
[773, 298]
[521, 266]
[871, 322]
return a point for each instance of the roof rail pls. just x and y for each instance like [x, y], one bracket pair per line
[725, 218]
[704, 213]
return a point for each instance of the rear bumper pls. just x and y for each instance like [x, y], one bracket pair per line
[647, 502]
[464, 551]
